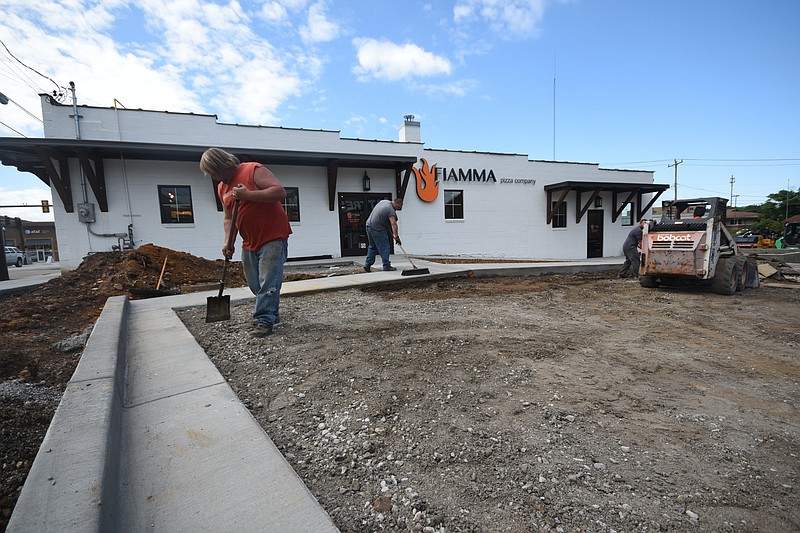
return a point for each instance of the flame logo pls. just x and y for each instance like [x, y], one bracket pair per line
[427, 184]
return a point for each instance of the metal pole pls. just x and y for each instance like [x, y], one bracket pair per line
[75, 110]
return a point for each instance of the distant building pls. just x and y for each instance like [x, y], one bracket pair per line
[123, 177]
[36, 239]
[740, 219]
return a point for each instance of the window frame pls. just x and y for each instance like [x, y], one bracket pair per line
[292, 213]
[452, 209]
[166, 211]
[559, 220]
[626, 221]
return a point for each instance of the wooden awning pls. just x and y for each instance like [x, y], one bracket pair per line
[622, 194]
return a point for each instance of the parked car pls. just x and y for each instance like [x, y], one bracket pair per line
[13, 256]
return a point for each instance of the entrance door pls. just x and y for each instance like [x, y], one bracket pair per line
[354, 208]
[594, 233]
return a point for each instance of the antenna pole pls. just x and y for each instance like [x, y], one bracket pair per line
[554, 106]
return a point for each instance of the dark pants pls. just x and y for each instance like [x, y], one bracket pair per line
[631, 262]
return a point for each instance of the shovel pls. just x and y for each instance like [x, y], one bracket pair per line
[219, 307]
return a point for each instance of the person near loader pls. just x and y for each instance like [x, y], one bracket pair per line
[631, 250]
[262, 223]
[380, 223]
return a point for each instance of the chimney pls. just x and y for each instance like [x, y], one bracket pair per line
[410, 133]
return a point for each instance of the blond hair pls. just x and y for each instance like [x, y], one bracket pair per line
[216, 161]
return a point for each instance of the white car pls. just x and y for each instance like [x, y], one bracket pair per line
[13, 256]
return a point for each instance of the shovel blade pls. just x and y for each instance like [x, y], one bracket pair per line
[218, 308]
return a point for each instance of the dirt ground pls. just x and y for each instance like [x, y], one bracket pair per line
[554, 403]
[550, 403]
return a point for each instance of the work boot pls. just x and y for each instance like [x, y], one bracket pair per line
[262, 330]
[389, 269]
[367, 269]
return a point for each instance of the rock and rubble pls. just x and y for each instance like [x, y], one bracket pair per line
[555, 403]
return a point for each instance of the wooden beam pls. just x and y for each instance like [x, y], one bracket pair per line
[60, 182]
[95, 176]
[553, 208]
[617, 211]
[333, 174]
[580, 212]
[402, 184]
[643, 209]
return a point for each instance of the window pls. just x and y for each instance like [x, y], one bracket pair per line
[292, 204]
[560, 215]
[176, 204]
[627, 215]
[453, 205]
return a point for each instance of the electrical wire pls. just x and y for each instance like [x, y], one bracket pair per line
[59, 87]
[12, 129]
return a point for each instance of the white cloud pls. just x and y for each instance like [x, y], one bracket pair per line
[274, 11]
[389, 61]
[319, 28]
[509, 18]
[192, 55]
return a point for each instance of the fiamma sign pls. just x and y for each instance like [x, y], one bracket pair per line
[428, 178]
[674, 237]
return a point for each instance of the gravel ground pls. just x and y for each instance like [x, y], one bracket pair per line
[553, 403]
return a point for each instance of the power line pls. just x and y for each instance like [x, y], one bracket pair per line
[32, 69]
[721, 162]
[12, 129]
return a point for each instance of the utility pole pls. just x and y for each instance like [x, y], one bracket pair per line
[733, 180]
[787, 198]
[676, 175]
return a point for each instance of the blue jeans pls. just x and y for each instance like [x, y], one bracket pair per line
[378, 244]
[264, 272]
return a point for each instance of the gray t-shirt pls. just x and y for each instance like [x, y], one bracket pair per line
[379, 218]
[633, 239]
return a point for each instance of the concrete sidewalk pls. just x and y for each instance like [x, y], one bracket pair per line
[150, 437]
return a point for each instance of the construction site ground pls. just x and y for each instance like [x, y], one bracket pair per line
[578, 402]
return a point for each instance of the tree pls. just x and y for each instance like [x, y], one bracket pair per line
[776, 207]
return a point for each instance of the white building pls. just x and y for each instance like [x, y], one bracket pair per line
[122, 178]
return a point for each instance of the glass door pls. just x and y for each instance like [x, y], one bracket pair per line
[354, 208]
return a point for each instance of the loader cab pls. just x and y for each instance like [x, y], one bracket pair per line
[694, 209]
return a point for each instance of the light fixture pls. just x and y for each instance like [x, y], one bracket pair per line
[598, 202]
[365, 181]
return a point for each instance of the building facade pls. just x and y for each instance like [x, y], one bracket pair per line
[122, 178]
[37, 240]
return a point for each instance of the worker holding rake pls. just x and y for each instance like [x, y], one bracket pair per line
[380, 223]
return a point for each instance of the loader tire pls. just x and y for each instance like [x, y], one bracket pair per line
[726, 279]
[649, 282]
[741, 269]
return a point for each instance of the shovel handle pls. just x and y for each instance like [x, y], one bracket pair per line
[231, 237]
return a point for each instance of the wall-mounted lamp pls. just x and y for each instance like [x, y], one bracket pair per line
[598, 202]
[366, 181]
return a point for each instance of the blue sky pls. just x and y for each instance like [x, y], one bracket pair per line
[638, 84]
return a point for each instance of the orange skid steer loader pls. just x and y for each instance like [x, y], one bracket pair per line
[690, 245]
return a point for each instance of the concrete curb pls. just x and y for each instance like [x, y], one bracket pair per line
[72, 483]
